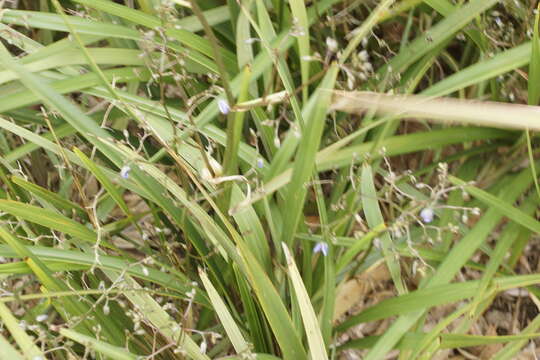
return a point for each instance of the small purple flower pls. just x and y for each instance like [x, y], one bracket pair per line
[321, 247]
[124, 171]
[427, 215]
[223, 106]
[260, 163]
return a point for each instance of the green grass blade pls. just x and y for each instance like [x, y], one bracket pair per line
[51, 197]
[446, 341]
[250, 225]
[374, 219]
[25, 342]
[450, 341]
[87, 27]
[299, 13]
[151, 310]
[359, 245]
[510, 350]
[176, 31]
[101, 347]
[305, 158]
[49, 219]
[499, 64]
[108, 56]
[231, 328]
[311, 324]
[534, 66]
[71, 113]
[72, 84]
[273, 308]
[104, 180]
[8, 351]
[433, 296]
[108, 262]
[438, 34]
[502, 206]
[21, 267]
[234, 130]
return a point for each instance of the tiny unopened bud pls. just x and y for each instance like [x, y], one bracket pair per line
[427, 215]
[363, 55]
[145, 271]
[42, 317]
[203, 347]
[124, 171]
[331, 44]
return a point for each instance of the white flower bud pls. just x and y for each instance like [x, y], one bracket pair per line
[427, 215]
[42, 317]
[331, 44]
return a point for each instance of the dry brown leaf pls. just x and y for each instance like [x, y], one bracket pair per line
[479, 113]
[354, 290]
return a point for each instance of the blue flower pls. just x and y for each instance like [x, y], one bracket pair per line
[223, 106]
[124, 171]
[427, 215]
[260, 163]
[321, 247]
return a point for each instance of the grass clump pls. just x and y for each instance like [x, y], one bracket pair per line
[268, 179]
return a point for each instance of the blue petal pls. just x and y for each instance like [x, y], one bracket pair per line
[223, 106]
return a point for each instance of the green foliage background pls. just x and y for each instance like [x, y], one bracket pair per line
[168, 168]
